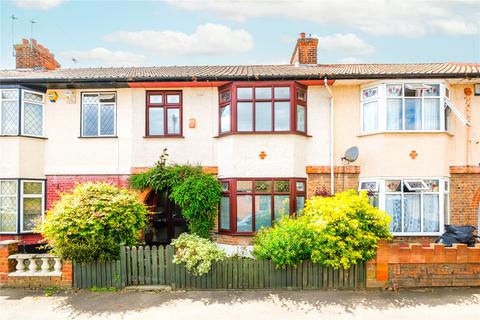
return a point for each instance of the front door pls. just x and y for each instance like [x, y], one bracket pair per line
[166, 221]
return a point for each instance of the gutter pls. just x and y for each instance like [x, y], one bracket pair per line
[332, 165]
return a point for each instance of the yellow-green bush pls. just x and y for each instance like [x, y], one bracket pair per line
[336, 231]
[92, 221]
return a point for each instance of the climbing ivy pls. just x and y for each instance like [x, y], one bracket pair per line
[195, 192]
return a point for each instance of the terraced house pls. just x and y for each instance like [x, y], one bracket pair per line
[273, 134]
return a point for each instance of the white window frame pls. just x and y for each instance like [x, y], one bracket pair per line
[375, 189]
[442, 193]
[99, 107]
[22, 111]
[382, 105]
[409, 187]
[31, 196]
[16, 206]
[1, 110]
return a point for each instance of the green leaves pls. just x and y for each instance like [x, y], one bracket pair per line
[194, 191]
[197, 253]
[336, 231]
[92, 221]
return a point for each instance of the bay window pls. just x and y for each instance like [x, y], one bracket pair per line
[22, 204]
[406, 107]
[99, 114]
[164, 114]
[417, 206]
[263, 108]
[21, 112]
[247, 205]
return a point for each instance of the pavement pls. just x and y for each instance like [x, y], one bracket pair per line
[452, 304]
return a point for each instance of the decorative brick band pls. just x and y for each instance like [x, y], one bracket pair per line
[207, 169]
[465, 169]
[336, 169]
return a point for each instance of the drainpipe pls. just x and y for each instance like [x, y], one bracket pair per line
[332, 165]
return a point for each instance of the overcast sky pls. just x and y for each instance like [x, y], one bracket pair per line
[209, 32]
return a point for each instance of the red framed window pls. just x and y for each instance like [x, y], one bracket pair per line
[248, 204]
[275, 107]
[164, 114]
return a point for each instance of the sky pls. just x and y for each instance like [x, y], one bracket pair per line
[222, 32]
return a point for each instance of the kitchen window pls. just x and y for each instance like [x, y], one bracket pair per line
[409, 106]
[417, 206]
[99, 114]
[247, 205]
[164, 114]
[263, 108]
[22, 112]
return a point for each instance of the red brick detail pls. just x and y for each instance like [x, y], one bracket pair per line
[232, 240]
[465, 169]
[343, 181]
[25, 239]
[34, 55]
[336, 169]
[57, 184]
[207, 169]
[7, 248]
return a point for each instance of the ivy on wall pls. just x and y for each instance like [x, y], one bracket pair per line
[194, 191]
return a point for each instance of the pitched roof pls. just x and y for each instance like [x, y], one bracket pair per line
[245, 72]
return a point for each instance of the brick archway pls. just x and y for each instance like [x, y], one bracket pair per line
[143, 196]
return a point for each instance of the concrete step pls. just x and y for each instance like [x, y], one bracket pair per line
[149, 288]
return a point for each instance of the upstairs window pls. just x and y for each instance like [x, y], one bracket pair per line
[22, 112]
[164, 113]
[263, 108]
[99, 114]
[406, 106]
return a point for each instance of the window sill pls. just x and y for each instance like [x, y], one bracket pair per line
[164, 137]
[263, 133]
[98, 137]
[236, 234]
[417, 234]
[404, 132]
[22, 136]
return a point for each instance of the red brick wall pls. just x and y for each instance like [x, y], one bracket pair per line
[62, 183]
[318, 177]
[7, 248]
[464, 195]
[420, 266]
[232, 240]
[305, 50]
[33, 55]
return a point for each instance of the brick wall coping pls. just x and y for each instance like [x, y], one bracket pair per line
[393, 253]
[6, 243]
[336, 169]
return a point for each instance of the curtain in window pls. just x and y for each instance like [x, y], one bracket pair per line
[413, 114]
[393, 206]
[370, 116]
[431, 109]
[431, 214]
[394, 114]
[225, 212]
[412, 213]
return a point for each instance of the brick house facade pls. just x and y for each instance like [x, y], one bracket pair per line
[271, 134]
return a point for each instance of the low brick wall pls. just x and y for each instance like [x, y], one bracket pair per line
[421, 266]
[8, 278]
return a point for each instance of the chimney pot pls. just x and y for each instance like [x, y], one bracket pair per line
[302, 35]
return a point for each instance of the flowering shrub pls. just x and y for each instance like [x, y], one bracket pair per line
[197, 253]
[92, 222]
[336, 231]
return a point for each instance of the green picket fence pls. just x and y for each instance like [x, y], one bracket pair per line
[153, 265]
[97, 274]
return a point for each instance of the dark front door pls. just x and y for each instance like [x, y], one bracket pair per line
[166, 220]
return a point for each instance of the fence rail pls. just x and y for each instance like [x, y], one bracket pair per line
[153, 266]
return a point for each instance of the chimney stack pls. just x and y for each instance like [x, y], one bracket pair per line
[32, 55]
[305, 51]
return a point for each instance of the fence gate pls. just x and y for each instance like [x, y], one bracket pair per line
[153, 265]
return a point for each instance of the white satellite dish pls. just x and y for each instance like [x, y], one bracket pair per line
[351, 154]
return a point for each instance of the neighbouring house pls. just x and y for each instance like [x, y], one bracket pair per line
[273, 135]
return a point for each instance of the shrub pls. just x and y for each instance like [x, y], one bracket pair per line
[336, 231]
[197, 253]
[195, 192]
[92, 221]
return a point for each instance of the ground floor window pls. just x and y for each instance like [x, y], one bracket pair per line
[249, 204]
[22, 204]
[418, 206]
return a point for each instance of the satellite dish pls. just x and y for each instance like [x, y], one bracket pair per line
[351, 154]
